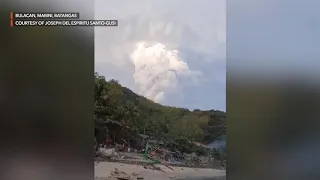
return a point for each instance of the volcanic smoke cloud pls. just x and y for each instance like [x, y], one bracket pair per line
[157, 70]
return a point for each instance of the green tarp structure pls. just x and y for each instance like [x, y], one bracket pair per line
[148, 148]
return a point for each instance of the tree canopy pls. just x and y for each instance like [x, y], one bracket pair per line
[117, 103]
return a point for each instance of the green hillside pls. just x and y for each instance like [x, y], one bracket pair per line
[114, 102]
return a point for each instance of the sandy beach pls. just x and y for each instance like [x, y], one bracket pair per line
[103, 169]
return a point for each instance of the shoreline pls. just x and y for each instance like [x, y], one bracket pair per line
[107, 155]
[103, 169]
[142, 163]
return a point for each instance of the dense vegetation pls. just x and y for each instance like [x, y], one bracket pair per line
[114, 102]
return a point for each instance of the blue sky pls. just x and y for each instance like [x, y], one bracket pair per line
[170, 51]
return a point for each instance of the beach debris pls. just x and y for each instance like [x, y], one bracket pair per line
[119, 174]
[107, 152]
[116, 170]
[151, 167]
[169, 167]
[135, 174]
